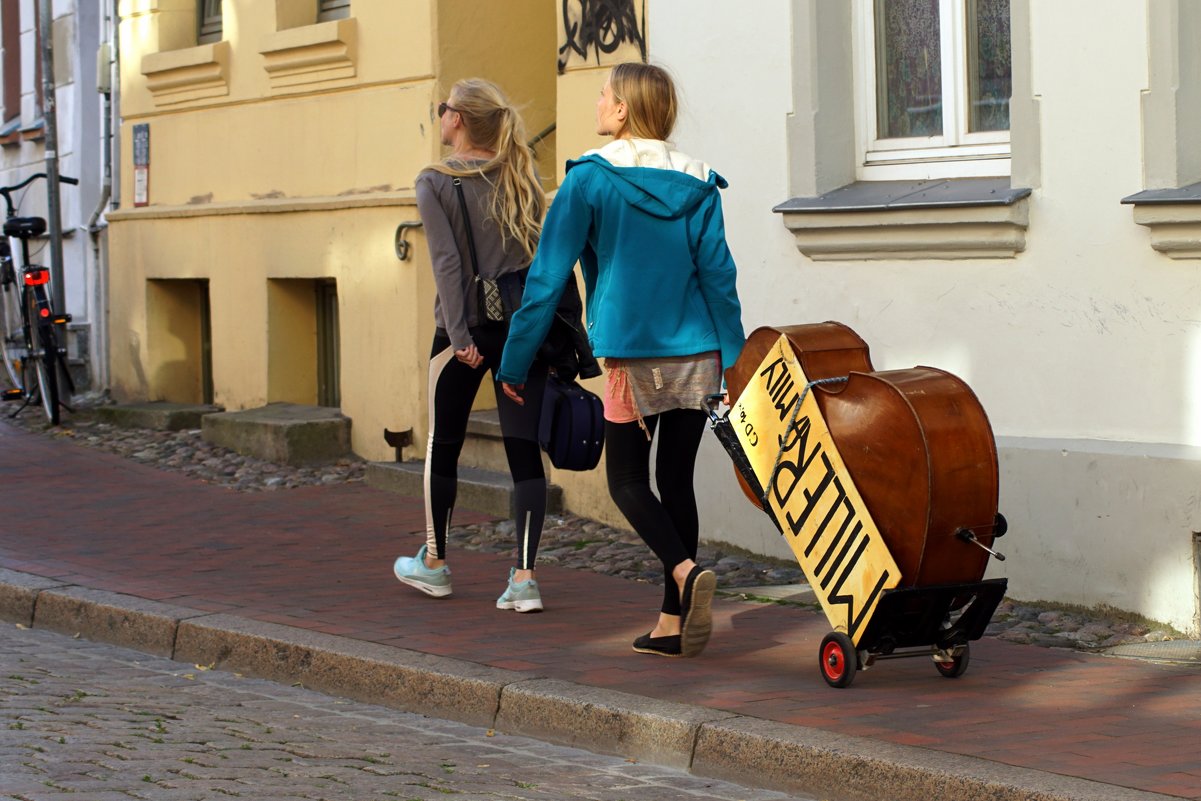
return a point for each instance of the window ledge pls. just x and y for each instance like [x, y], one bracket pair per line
[34, 131]
[300, 57]
[10, 134]
[1174, 217]
[958, 218]
[193, 73]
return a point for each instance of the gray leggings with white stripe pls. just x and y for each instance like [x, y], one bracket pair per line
[452, 389]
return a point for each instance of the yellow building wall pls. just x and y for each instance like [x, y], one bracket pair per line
[291, 341]
[471, 46]
[173, 309]
[288, 152]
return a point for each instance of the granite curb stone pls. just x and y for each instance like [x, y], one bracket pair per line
[607, 721]
[750, 751]
[395, 677]
[112, 617]
[19, 593]
[791, 758]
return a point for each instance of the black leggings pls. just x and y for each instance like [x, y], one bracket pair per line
[668, 523]
[452, 389]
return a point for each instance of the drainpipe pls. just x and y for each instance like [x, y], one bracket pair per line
[104, 69]
[106, 66]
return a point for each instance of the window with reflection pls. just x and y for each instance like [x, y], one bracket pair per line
[332, 9]
[940, 76]
[210, 21]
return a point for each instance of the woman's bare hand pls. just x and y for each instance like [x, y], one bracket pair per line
[470, 356]
[512, 392]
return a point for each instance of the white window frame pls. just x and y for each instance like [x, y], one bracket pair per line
[332, 9]
[957, 153]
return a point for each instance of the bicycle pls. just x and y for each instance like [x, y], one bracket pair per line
[29, 338]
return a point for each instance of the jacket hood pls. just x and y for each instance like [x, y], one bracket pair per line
[651, 176]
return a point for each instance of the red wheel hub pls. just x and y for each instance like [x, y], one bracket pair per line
[833, 661]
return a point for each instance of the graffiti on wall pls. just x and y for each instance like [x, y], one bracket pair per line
[599, 32]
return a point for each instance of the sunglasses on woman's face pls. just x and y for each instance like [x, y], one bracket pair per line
[443, 108]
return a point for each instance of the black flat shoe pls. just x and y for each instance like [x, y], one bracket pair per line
[663, 646]
[696, 619]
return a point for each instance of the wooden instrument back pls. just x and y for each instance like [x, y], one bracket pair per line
[916, 442]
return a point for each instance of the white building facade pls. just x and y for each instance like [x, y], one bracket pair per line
[1004, 189]
[79, 26]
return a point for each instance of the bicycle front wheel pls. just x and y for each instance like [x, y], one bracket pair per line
[47, 372]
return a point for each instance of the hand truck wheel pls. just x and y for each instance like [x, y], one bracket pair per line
[838, 659]
[958, 664]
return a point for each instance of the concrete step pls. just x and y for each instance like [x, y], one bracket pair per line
[158, 415]
[288, 433]
[485, 445]
[488, 491]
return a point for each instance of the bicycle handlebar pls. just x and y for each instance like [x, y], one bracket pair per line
[6, 191]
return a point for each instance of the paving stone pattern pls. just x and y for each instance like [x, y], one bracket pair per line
[86, 720]
[568, 540]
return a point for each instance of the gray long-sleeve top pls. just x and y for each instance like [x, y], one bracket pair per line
[456, 307]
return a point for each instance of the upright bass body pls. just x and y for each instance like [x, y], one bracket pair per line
[916, 442]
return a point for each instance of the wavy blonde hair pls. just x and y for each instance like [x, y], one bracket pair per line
[493, 123]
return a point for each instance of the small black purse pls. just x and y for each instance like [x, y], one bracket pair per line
[487, 292]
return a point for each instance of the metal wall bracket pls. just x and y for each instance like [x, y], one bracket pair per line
[402, 243]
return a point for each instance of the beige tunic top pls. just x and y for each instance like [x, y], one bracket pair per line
[638, 388]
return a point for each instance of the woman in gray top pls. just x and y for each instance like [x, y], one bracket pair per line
[502, 202]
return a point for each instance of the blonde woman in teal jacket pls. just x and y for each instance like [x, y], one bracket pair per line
[645, 223]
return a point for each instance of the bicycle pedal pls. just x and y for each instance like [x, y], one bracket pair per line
[11, 395]
[62, 319]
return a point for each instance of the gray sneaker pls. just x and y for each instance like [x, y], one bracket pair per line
[522, 596]
[411, 570]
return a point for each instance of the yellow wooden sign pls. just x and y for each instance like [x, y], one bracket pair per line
[810, 492]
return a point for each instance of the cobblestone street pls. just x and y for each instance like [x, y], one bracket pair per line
[86, 720]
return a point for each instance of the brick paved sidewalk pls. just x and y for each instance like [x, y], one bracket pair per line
[320, 559]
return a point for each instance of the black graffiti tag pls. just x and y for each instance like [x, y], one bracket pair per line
[601, 26]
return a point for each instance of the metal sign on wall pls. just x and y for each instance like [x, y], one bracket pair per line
[141, 164]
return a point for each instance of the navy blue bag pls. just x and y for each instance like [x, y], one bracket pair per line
[572, 427]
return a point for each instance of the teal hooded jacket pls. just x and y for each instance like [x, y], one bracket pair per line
[659, 277]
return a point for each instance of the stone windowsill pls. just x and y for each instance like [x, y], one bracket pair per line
[193, 73]
[10, 134]
[1173, 217]
[296, 58]
[956, 218]
[34, 131]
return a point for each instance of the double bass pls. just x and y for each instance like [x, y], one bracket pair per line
[916, 441]
[919, 448]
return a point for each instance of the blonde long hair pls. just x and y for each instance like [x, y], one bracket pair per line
[493, 123]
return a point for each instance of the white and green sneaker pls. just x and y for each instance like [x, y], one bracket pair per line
[522, 596]
[412, 570]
